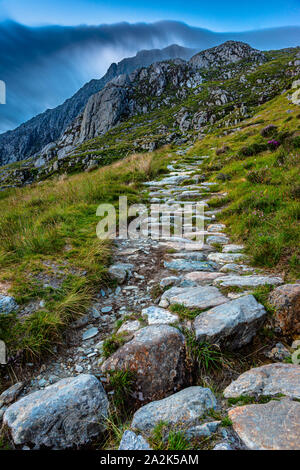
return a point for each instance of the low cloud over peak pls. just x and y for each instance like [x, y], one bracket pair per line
[42, 66]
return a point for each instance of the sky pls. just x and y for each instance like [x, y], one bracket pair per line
[51, 48]
[218, 15]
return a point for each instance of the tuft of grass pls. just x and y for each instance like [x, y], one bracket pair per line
[121, 384]
[204, 355]
[185, 313]
[113, 343]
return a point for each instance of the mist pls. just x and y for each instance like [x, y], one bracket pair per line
[43, 66]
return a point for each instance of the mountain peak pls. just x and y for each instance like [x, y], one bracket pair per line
[227, 53]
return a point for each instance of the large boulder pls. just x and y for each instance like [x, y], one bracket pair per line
[185, 408]
[286, 300]
[271, 379]
[232, 324]
[193, 297]
[156, 355]
[272, 426]
[67, 414]
[131, 441]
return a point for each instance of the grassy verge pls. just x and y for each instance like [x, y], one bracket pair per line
[50, 258]
[258, 166]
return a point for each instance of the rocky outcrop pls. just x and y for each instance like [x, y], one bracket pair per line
[156, 355]
[67, 414]
[228, 53]
[29, 138]
[185, 407]
[271, 379]
[286, 300]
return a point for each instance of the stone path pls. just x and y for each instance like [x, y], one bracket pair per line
[154, 274]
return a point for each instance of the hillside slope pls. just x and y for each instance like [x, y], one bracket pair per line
[33, 135]
[170, 101]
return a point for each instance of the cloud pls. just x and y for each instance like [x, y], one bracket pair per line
[42, 66]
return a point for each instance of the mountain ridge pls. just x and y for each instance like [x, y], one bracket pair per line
[31, 136]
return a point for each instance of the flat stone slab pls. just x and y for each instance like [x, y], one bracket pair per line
[130, 326]
[194, 297]
[271, 379]
[188, 265]
[216, 227]
[225, 257]
[184, 407]
[247, 281]
[232, 324]
[90, 333]
[67, 414]
[233, 248]
[272, 426]
[190, 255]
[217, 239]
[202, 276]
[131, 441]
[159, 316]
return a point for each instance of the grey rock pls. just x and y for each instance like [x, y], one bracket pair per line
[270, 379]
[90, 333]
[67, 414]
[129, 326]
[225, 257]
[223, 446]
[278, 353]
[121, 271]
[248, 281]
[157, 315]
[202, 430]
[188, 265]
[7, 304]
[169, 281]
[222, 240]
[156, 355]
[272, 426]
[131, 441]
[185, 407]
[11, 394]
[194, 297]
[230, 52]
[232, 324]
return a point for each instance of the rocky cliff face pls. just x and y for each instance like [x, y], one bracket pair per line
[145, 90]
[32, 136]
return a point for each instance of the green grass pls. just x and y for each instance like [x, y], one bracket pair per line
[48, 233]
[113, 343]
[185, 313]
[262, 206]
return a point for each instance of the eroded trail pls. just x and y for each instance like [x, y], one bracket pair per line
[170, 286]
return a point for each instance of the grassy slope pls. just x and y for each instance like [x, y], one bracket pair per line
[48, 231]
[263, 188]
